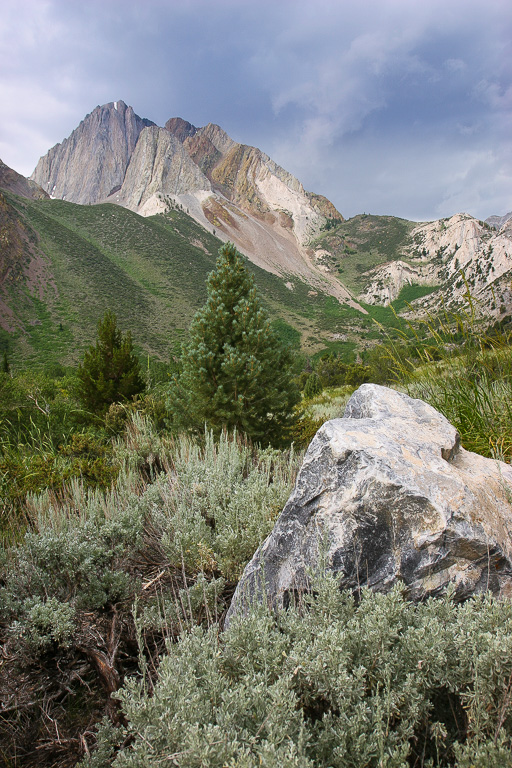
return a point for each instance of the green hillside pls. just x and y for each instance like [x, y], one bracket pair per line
[74, 262]
[363, 242]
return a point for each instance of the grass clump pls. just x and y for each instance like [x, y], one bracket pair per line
[465, 371]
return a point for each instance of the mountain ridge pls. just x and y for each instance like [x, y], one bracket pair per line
[180, 173]
[233, 190]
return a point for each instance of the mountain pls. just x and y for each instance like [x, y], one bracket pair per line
[14, 182]
[233, 190]
[498, 221]
[146, 210]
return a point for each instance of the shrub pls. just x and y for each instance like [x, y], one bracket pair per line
[313, 386]
[333, 682]
[219, 501]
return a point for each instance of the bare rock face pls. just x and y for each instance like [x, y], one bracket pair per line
[453, 254]
[386, 495]
[180, 128]
[159, 167]
[14, 182]
[91, 163]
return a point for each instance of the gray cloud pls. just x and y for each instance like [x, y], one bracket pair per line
[385, 106]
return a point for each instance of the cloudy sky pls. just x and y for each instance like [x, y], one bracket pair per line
[399, 107]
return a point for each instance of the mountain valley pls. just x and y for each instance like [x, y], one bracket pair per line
[128, 215]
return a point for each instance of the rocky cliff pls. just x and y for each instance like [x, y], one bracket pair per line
[160, 169]
[91, 164]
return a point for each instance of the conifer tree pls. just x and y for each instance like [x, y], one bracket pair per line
[235, 373]
[110, 371]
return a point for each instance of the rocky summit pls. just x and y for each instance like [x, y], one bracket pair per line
[233, 190]
[91, 164]
[385, 495]
[238, 193]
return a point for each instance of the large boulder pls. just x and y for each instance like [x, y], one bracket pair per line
[387, 495]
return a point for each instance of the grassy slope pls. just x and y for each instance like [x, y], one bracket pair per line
[152, 273]
[363, 242]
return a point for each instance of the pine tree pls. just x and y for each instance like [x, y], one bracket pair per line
[235, 373]
[6, 368]
[110, 371]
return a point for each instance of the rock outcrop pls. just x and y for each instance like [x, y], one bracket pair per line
[91, 163]
[159, 168]
[452, 255]
[386, 495]
[14, 182]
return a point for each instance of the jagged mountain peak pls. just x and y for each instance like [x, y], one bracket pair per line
[233, 189]
[91, 163]
[180, 128]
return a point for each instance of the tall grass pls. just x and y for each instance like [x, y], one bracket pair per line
[465, 371]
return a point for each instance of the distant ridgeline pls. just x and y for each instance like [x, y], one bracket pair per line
[74, 247]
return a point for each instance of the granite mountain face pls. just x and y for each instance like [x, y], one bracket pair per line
[91, 164]
[240, 194]
[233, 190]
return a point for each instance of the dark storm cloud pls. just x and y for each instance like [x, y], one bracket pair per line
[386, 106]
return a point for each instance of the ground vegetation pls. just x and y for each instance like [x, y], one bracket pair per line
[123, 542]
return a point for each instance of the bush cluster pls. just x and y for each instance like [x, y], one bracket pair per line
[332, 682]
[166, 544]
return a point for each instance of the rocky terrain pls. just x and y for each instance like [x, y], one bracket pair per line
[234, 190]
[498, 221]
[451, 256]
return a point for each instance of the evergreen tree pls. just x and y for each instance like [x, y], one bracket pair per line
[235, 373]
[313, 386]
[110, 371]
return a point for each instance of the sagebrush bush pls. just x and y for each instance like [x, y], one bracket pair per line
[219, 501]
[73, 558]
[333, 683]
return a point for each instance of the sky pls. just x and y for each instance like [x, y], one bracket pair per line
[392, 107]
